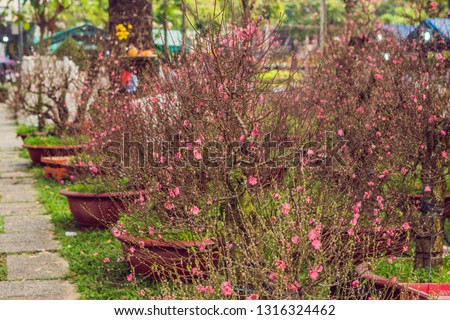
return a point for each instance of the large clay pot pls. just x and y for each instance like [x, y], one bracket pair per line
[404, 291]
[37, 152]
[98, 210]
[371, 242]
[158, 260]
[61, 167]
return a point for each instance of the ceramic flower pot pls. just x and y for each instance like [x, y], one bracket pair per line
[371, 242]
[98, 210]
[404, 291]
[55, 167]
[158, 260]
[37, 152]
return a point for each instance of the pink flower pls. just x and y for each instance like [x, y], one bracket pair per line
[272, 276]
[355, 283]
[405, 249]
[151, 231]
[444, 154]
[294, 239]
[316, 244]
[351, 232]
[286, 207]
[390, 261]
[378, 76]
[340, 133]
[226, 289]
[130, 277]
[252, 180]
[195, 210]
[434, 5]
[313, 274]
[427, 189]
[276, 196]
[310, 152]
[281, 264]
[242, 138]
[168, 206]
[292, 287]
[254, 132]
[106, 260]
[312, 235]
[443, 133]
[176, 191]
[406, 226]
[132, 249]
[394, 279]
[197, 154]
[116, 232]
[253, 296]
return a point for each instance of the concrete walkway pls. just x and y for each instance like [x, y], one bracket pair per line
[34, 268]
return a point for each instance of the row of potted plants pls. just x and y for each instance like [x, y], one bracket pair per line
[193, 173]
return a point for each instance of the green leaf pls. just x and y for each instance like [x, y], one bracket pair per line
[26, 26]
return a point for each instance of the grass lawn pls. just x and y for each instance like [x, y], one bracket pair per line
[3, 273]
[92, 254]
[2, 224]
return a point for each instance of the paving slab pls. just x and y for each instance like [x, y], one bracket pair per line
[20, 208]
[27, 242]
[37, 290]
[15, 174]
[18, 195]
[43, 265]
[36, 223]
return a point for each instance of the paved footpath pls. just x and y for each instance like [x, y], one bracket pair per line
[34, 268]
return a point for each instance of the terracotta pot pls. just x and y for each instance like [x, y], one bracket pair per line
[418, 197]
[98, 210]
[55, 167]
[60, 167]
[371, 243]
[404, 291]
[37, 152]
[158, 260]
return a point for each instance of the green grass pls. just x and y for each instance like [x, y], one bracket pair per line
[2, 224]
[24, 154]
[53, 141]
[3, 271]
[86, 251]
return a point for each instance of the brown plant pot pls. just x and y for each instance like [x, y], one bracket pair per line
[55, 167]
[159, 260]
[98, 210]
[371, 243]
[404, 291]
[418, 197]
[60, 167]
[37, 152]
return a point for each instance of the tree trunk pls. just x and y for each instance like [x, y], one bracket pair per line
[430, 232]
[183, 27]
[166, 31]
[323, 23]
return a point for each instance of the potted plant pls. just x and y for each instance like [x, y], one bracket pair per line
[394, 288]
[23, 131]
[94, 204]
[200, 149]
[46, 145]
[164, 252]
